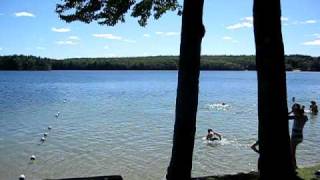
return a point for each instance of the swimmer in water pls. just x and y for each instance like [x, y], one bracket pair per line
[314, 108]
[211, 136]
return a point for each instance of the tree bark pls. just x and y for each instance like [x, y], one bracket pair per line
[192, 32]
[274, 140]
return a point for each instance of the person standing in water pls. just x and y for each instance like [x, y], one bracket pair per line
[297, 129]
[314, 108]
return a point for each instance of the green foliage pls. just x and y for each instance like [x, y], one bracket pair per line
[307, 173]
[20, 62]
[110, 12]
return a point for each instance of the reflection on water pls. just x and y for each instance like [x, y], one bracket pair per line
[121, 122]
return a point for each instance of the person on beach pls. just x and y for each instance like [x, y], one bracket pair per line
[213, 135]
[255, 148]
[297, 129]
[314, 108]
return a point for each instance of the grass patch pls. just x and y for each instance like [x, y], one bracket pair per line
[308, 172]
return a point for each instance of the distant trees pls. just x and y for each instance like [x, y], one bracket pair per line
[20, 62]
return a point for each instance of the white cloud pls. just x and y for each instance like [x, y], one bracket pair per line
[74, 38]
[1, 49]
[310, 21]
[40, 48]
[171, 33]
[24, 14]
[60, 30]
[227, 38]
[113, 37]
[108, 36]
[66, 42]
[167, 33]
[249, 19]
[240, 25]
[312, 43]
[247, 22]
[317, 35]
[146, 35]
[106, 47]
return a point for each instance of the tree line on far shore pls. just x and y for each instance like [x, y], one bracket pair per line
[223, 62]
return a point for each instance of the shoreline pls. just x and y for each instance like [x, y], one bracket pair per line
[305, 172]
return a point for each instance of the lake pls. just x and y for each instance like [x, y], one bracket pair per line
[121, 122]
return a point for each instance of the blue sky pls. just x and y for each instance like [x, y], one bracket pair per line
[31, 27]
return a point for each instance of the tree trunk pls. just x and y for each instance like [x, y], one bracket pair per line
[274, 140]
[192, 32]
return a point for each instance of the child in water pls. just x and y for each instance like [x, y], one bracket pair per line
[213, 135]
[314, 107]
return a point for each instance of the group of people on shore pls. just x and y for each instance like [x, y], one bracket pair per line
[297, 114]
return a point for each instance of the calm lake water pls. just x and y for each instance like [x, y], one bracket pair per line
[121, 122]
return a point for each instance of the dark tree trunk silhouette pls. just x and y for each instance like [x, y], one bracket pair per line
[192, 32]
[274, 140]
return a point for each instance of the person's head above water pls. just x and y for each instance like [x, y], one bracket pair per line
[313, 102]
[295, 107]
[210, 130]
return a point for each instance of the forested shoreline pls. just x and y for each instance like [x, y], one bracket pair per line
[243, 62]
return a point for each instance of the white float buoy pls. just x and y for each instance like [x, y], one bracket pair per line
[22, 177]
[33, 157]
[49, 127]
[317, 173]
[45, 134]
